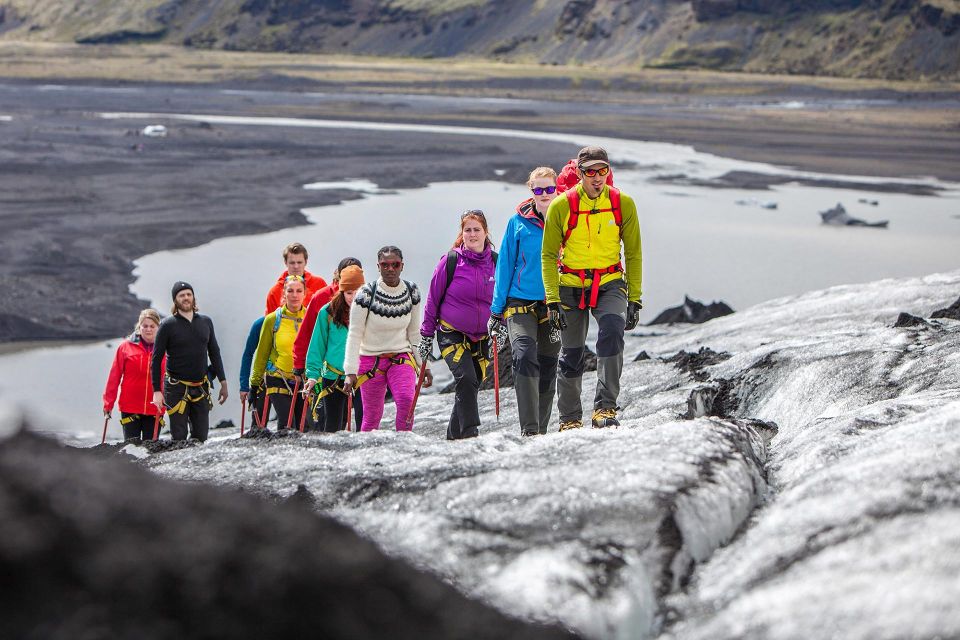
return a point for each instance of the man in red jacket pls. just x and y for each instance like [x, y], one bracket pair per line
[295, 258]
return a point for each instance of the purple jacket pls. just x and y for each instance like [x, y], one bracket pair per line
[466, 306]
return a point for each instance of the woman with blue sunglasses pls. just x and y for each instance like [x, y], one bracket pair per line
[518, 305]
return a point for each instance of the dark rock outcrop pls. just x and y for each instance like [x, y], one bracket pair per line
[693, 312]
[907, 320]
[952, 312]
[838, 216]
[93, 547]
[694, 363]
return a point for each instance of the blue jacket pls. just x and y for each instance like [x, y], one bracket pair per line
[248, 352]
[519, 274]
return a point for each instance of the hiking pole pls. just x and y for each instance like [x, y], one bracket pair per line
[293, 403]
[416, 394]
[243, 414]
[496, 377]
[106, 419]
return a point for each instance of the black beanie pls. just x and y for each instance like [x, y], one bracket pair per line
[180, 286]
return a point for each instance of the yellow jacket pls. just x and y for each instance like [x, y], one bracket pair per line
[594, 244]
[276, 348]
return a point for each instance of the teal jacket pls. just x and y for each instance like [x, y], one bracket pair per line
[327, 346]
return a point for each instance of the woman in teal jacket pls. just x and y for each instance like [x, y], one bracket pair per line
[326, 351]
[518, 301]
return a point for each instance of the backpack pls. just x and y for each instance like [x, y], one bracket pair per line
[278, 316]
[452, 256]
[573, 199]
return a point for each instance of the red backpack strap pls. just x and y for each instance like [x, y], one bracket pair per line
[573, 199]
[615, 204]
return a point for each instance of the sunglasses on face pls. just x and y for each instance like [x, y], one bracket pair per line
[539, 191]
[590, 173]
[390, 264]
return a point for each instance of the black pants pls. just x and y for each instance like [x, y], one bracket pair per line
[196, 413]
[335, 408]
[467, 374]
[140, 426]
[281, 403]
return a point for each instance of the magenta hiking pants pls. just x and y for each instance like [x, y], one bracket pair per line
[402, 382]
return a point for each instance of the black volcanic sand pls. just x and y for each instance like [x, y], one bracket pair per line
[99, 548]
[78, 202]
[81, 197]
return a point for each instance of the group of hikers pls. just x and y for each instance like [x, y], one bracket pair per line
[318, 344]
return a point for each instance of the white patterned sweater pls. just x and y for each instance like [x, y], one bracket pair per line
[388, 322]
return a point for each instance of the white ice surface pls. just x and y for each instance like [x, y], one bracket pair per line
[857, 535]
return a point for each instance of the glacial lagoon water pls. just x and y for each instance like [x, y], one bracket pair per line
[697, 241]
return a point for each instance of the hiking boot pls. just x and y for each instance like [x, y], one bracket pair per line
[529, 434]
[570, 424]
[605, 418]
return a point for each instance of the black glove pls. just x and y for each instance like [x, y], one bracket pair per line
[299, 373]
[556, 316]
[633, 314]
[497, 330]
[425, 348]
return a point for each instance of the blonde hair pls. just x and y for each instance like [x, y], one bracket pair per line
[146, 314]
[541, 172]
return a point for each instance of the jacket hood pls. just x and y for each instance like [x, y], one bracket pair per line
[474, 257]
[528, 209]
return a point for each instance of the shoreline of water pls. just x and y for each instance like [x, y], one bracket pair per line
[701, 244]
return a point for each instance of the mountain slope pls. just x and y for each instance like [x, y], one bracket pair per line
[904, 39]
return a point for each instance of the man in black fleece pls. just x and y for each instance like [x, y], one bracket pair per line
[187, 339]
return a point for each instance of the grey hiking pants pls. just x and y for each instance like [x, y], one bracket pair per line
[534, 367]
[610, 313]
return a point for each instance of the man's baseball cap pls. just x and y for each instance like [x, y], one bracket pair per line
[590, 156]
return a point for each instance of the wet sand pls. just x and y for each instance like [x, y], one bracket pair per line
[81, 197]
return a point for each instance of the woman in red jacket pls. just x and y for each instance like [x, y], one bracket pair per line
[131, 374]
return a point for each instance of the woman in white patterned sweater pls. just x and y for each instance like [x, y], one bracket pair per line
[382, 342]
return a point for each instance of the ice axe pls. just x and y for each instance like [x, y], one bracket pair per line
[496, 377]
[349, 409]
[106, 419]
[156, 426]
[303, 410]
[416, 394]
[262, 420]
[293, 402]
[243, 414]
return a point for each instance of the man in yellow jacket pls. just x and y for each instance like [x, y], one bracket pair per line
[582, 274]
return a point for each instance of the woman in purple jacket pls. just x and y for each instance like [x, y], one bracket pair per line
[457, 310]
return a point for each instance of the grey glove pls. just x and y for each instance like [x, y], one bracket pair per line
[633, 314]
[497, 330]
[426, 348]
[556, 316]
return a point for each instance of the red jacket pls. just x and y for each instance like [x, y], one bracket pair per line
[568, 176]
[132, 365]
[302, 343]
[314, 283]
